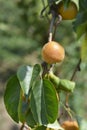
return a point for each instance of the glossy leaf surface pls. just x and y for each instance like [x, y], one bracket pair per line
[11, 97]
[27, 75]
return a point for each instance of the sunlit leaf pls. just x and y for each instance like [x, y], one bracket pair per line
[24, 75]
[11, 97]
[27, 75]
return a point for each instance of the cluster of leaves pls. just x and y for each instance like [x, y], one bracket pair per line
[32, 99]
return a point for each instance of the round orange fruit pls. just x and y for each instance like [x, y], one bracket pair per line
[70, 125]
[53, 52]
[67, 13]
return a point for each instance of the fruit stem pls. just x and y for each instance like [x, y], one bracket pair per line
[50, 37]
[24, 127]
[46, 68]
[56, 24]
[51, 25]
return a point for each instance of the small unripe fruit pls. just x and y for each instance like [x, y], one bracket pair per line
[53, 52]
[70, 125]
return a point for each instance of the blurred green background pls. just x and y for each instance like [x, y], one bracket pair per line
[22, 34]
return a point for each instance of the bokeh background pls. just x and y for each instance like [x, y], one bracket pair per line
[22, 34]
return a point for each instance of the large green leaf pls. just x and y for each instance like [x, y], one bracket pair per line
[49, 102]
[44, 102]
[36, 100]
[27, 75]
[11, 97]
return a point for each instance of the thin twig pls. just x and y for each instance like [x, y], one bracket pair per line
[51, 25]
[76, 69]
[44, 9]
[67, 100]
[25, 127]
[56, 25]
[68, 110]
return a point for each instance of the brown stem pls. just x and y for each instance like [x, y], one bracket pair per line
[76, 69]
[56, 24]
[24, 127]
[67, 100]
[46, 68]
[51, 25]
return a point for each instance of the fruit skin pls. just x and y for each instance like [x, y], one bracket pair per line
[67, 13]
[70, 125]
[53, 52]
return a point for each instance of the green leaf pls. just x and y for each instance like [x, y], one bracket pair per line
[66, 85]
[82, 29]
[11, 97]
[24, 112]
[44, 102]
[84, 49]
[27, 75]
[22, 107]
[24, 75]
[36, 100]
[30, 119]
[83, 5]
[49, 102]
[80, 24]
[35, 73]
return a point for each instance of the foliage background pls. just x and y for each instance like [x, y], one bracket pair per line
[22, 34]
